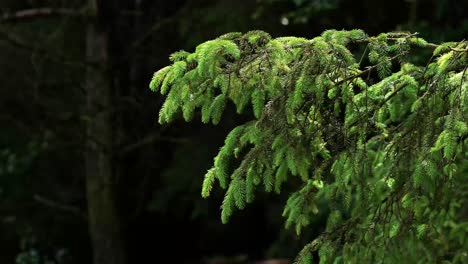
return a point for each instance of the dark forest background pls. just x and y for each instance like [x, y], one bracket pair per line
[84, 165]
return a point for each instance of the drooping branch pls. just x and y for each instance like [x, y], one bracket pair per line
[363, 145]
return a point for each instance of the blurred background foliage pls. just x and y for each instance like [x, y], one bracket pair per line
[42, 98]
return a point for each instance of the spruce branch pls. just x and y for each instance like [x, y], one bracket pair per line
[350, 141]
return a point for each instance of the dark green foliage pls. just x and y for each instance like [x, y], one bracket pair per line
[386, 143]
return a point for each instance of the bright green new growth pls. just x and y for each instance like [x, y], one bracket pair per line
[384, 145]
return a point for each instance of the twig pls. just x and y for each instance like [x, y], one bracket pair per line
[161, 24]
[56, 57]
[150, 140]
[367, 70]
[63, 207]
[28, 14]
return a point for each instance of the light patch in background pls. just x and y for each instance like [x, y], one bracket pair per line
[284, 21]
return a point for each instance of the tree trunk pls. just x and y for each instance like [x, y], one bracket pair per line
[104, 224]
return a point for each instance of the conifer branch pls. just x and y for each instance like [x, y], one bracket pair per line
[347, 139]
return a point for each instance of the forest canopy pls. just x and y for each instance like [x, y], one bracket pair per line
[374, 126]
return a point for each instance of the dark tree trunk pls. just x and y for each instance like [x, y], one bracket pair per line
[104, 223]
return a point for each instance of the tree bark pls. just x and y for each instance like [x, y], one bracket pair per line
[104, 223]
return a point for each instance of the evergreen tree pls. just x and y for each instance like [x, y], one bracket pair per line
[353, 120]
